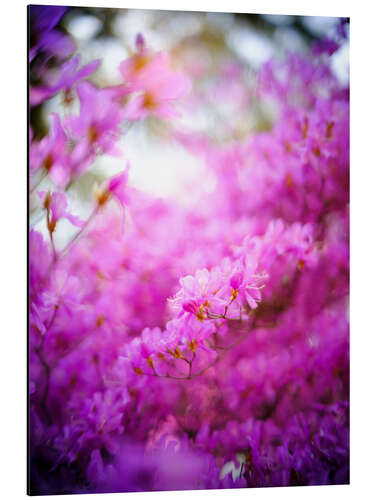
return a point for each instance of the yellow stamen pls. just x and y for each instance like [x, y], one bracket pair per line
[193, 344]
[140, 61]
[149, 101]
[101, 196]
[200, 314]
[100, 320]
[177, 353]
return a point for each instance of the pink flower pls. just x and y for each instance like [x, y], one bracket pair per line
[56, 204]
[149, 75]
[139, 70]
[246, 286]
[154, 339]
[116, 187]
[158, 96]
[97, 126]
[65, 290]
[51, 153]
[325, 46]
[200, 293]
[139, 42]
[69, 75]
[194, 333]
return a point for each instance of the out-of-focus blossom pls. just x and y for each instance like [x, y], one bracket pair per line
[116, 186]
[325, 46]
[158, 97]
[342, 28]
[43, 36]
[149, 77]
[56, 203]
[139, 42]
[51, 153]
[69, 75]
[139, 70]
[97, 126]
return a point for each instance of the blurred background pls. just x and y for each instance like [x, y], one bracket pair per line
[221, 54]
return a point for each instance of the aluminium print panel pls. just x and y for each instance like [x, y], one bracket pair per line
[188, 250]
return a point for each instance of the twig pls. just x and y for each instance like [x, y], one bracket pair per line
[42, 177]
[80, 232]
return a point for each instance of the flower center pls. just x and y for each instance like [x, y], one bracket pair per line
[93, 134]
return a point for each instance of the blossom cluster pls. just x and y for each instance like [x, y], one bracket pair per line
[188, 347]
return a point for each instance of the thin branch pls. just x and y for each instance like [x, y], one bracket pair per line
[200, 372]
[80, 232]
[221, 355]
[41, 179]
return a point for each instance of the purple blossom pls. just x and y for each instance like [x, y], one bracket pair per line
[69, 75]
[43, 36]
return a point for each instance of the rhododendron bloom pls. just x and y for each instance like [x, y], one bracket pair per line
[69, 75]
[56, 203]
[43, 19]
[158, 96]
[247, 290]
[200, 293]
[51, 153]
[96, 127]
[139, 70]
[117, 185]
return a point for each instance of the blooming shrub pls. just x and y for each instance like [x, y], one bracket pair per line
[200, 346]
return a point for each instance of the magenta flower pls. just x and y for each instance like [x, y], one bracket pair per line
[68, 77]
[200, 294]
[194, 333]
[56, 204]
[246, 286]
[325, 46]
[139, 42]
[139, 70]
[70, 74]
[117, 185]
[51, 153]
[159, 94]
[97, 126]
[64, 291]
[149, 75]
